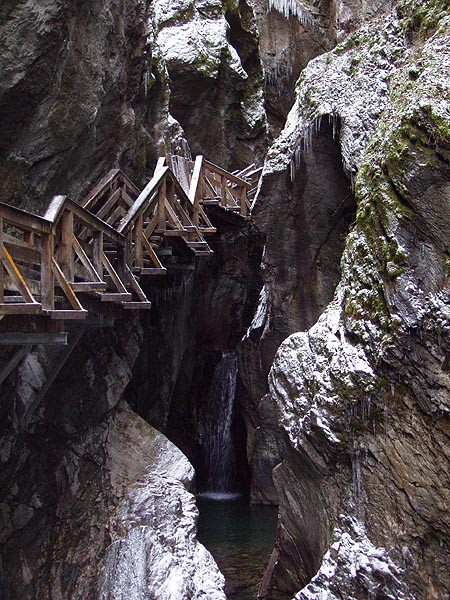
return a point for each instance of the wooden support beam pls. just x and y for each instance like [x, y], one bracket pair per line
[97, 250]
[138, 242]
[16, 276]
[109, 204]
[66, 256]
[85, 260]
[20, 338]
[113, 274]
[162, 203]
[152, 253]
[66, 288]
[13, 362]
[47, 282]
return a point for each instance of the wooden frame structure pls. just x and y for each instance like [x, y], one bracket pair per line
[103, 245]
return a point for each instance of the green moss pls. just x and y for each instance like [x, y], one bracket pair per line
[421, 19]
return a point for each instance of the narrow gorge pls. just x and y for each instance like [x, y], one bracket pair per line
[224, 299]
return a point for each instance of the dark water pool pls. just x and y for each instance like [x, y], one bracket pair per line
[241, 538]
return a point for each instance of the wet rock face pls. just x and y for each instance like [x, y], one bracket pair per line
[210, 50]
[196, 316]
[363, 395]
[83, 478]
[71, 95]
[306, 215]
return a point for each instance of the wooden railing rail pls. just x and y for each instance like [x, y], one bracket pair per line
[115, 235]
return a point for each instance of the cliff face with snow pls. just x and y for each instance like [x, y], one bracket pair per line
[351, 434]
[363, 395]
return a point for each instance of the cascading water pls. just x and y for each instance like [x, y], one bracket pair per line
[217, 438]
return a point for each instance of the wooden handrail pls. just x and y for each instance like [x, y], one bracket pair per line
[116, 231]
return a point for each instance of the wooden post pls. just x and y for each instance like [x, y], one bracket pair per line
[67, 257]
[138, 244]
[223, 190]
[97, 253]
[47, 282]
[243, 202]
[161, 205]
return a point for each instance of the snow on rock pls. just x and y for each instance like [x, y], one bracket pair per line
[353, 557]
[155, 553]
[351, 85]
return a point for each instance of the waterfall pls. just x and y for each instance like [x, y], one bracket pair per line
[217, 438]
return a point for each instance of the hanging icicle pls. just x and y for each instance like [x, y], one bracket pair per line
[294, 8]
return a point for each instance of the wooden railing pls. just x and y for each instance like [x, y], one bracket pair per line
[47, 261]
[103, 245]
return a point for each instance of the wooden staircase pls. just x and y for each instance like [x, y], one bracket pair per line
[100, 249]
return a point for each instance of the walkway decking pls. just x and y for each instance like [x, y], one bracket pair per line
[99, 250]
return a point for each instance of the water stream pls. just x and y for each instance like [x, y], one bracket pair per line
[218, 444]
[239, 536]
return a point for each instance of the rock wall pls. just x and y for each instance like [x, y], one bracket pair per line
[71, 96]
[210, 51]
[90, 492]
[363, 395]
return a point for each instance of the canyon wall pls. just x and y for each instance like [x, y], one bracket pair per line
[363, 394]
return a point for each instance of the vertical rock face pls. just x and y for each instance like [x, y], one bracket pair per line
[95, 501]
[363, 395]
[197, 316]
[71, 95]
[210, 50]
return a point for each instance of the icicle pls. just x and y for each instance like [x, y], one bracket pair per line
[294, 8]
[146, 82]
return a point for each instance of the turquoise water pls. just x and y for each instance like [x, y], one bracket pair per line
[241, 538]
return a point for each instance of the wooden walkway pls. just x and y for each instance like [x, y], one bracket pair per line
[97, 251]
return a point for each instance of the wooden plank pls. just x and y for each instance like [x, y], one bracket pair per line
[23, 219]
[219, 171]
[160, 164]
[88, 286]
[142, 200]
[26, 308]
[95, 223]
[153, 271]
[65, 286]
[113, 274]
[16, 276]
[55, 209]
[137, 305]
[32, 338]
[115, 297]
[85, 260]
[99, 188]
[22, 252]
[64, 315]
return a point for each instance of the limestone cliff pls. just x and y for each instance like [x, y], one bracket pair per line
[363, 396]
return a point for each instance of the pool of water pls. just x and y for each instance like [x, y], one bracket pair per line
[241, 538]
